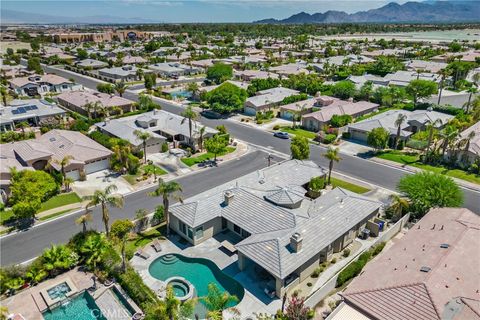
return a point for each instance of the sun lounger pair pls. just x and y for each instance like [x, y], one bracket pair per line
[156, 245]
[142, 253]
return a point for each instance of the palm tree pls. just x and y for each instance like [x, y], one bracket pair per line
[398, 204]
[105, 199]
[120, 229]
[143, 136]
[120, 88]
[398, 122]
[201, 137]
[443, 73]
[193, 88]
[121, 150]
[64, 162]
[93, 249]
[35, 275]
[171, 308]
[68, 182]
[217, 301]
[167, 190]
[449, 134]
[190, 115]
[431, 129]
[4, 93]
[466, 142]
[471, 90]
[58, 258]
[84, 219]
[331, 155]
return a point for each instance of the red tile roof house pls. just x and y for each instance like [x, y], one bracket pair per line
[87, 155]
[39, 84]
[432, 272]
[330, 106]
[76, 101]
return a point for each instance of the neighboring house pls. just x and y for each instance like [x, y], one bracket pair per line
[429, 66]
[471, 151]
[203, 64]
[173, 69]
[330, 106]
[77, 100]
[239, 60]
[279, 230]
[125, 73]
[133, 60]
[467, 56]
[398, 78]
[249, 75]
[39, 84]
[347, 60]
[163, 126]
[267, 99]
[87, 155]
[288, 69]
[91, 64]
[430, 273]
[15, 71]
[416, 121]
[297, 108]
[35, 112]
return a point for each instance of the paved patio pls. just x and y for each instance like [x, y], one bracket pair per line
[254, 300]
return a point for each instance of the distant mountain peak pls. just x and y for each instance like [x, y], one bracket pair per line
[429, 11]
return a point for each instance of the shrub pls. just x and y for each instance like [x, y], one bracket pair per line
[316, 183]
[346, 252]
[164, 147]
[134, 286]
[338, 121]
[276, 127]
[329, 138]
[377, 249]
[346, 135]
[334, 260]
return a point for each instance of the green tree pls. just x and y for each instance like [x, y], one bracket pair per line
[93, 250]
[167, 190]
[216, 301]
[31, 185]
[106, 88]
[25, 210]
[216, 145]
[472, 90]
[33, 64]
[401, 118]
[36, 274]
[427, 190]
[332, 156]
[189, 115]
[398, 205]
[419, 89]
[170, 308]
[299, 147]
[344, 89]
[226, 98]
[378, 138]
[4, 93]
[143, 136]
[193, 88]
[219, 73]
[84, 219]
[105, 198]
[58, 258]
[120, 88]
[82, 54]
[120, 230]
[150, 80]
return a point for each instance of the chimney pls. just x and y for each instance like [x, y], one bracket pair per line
[296, 242]
[227, 197]
[350, 100]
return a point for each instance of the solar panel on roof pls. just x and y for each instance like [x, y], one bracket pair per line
[15, 112]
[34, 107]
[21, 110]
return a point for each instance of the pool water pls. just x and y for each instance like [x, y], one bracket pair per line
[200, 272]
[181, 94]
[59, 291]
[179, 289]
[82, 307]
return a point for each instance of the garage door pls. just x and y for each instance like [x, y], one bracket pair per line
[74, 174]
[358, 135]
[250, 111]
[97, 166]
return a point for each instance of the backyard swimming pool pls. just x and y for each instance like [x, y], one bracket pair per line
[199, 272]
[81, 307]
[181, 94]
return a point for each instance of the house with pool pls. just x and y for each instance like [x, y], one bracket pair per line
[279, 230]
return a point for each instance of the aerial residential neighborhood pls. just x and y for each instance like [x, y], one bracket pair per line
[239, 160]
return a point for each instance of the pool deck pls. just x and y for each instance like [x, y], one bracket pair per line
[254, 300]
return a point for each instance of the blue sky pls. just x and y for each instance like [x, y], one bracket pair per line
[188, 11]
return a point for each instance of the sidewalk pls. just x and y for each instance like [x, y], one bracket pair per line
[460, 182]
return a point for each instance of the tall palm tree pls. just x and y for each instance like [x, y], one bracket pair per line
[143, 136]
[105, 198]
[466, 144]
[121, 150]
[431, 130]
[398, 204]
[398, 123]
[93, 249]
[333, 156]
[449, 134]
[67, 182]
[64, 162]
[167, 190]
[121, 229]
[471, 90]
[120, 88]
[201, 137]
[443, 74]
[189, 115]
[84, 219]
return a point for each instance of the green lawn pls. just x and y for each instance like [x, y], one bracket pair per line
[148, 168]
[142, 239]
[299, 132]
[349, 186]
[53, 215]
[414, 161]
[193, 160]
[5, 216]
[60, 200]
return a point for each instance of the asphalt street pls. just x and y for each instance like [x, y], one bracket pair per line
[20, 247]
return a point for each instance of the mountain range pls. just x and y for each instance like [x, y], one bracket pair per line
[431, 11]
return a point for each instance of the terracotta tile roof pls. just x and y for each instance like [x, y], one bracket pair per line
[409, 302]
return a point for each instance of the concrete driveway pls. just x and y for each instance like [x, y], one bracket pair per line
[99, 181]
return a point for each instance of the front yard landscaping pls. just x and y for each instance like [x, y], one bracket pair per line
[349, 186]
[299, 132]
[141, 239]
[145, 171]
[59, 201]
[413, 159]
[195, 159]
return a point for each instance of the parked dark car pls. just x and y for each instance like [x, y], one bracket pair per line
[210, 114]
[281, 135]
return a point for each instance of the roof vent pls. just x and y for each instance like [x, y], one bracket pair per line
[296, 242]
[444, 245]
[425, 269]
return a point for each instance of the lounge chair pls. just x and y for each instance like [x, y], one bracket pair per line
[156, 245]
[270, 294]
[142, 253]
